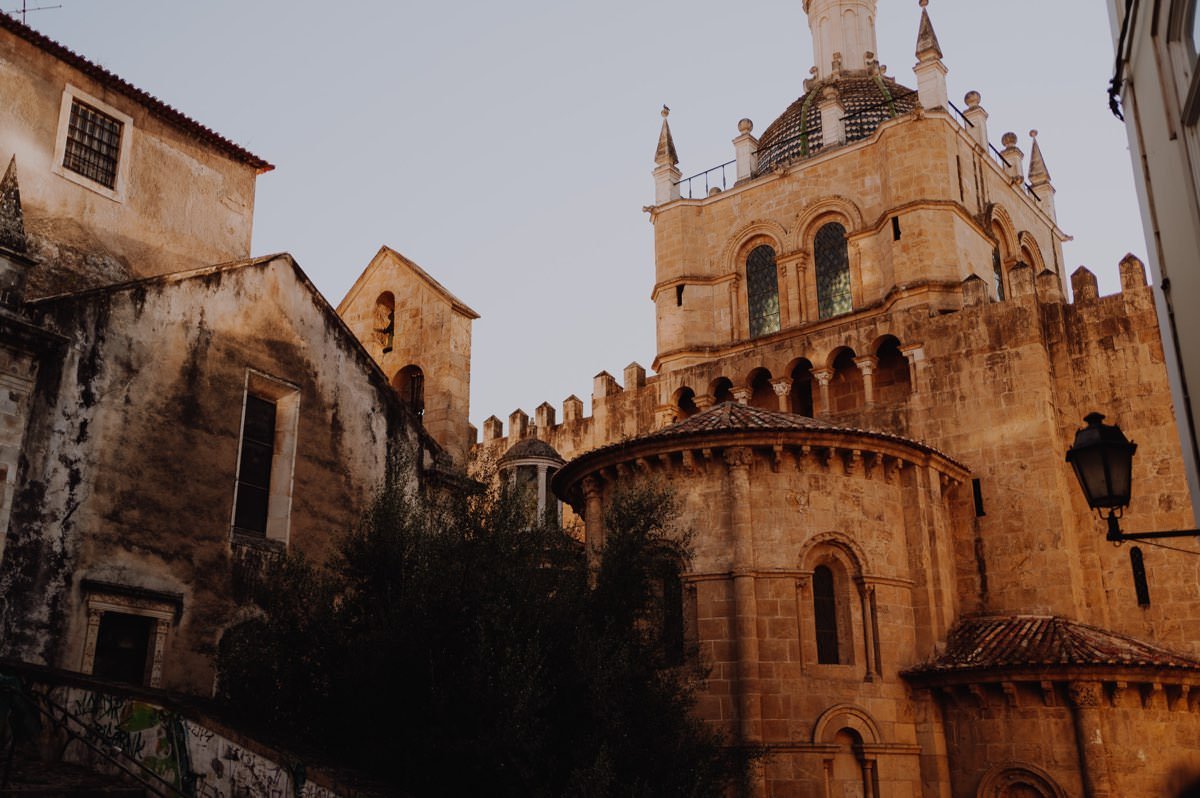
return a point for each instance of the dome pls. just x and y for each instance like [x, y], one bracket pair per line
[531, 449]
[869, 100]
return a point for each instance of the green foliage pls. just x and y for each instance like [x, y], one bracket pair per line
[451, 650]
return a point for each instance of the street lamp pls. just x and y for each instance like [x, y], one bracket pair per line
[1103, 461]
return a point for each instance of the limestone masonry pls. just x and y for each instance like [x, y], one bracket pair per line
[871, 360]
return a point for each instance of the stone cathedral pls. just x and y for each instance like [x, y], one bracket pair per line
[868, 373]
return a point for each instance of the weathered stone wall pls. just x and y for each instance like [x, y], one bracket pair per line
[824, 502]
[432, 330]
[130, 469]
[186, 204]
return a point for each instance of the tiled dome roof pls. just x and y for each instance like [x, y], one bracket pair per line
[530, 448]
[869, 101]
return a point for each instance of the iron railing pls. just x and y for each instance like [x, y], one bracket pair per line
[709, 184]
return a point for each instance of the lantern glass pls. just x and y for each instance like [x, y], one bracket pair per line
[1103, 461]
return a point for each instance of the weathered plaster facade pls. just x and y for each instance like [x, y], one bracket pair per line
[128, 485]
[183, 197]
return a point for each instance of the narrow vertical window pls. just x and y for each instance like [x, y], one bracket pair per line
[254, 470]
[762, 289]
[895, 228]
[825, 614]
[997, 275]
[833, 271]
[679, 296]
[385, 321]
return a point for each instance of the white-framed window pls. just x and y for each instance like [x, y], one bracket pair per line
[93, 144]
[262, 501]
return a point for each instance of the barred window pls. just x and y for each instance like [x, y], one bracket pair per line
[93, 144]
[762, 289]
[833, 271]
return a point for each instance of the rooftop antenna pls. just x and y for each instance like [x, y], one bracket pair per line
[24, 10]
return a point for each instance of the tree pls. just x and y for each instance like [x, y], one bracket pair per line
[451, 650]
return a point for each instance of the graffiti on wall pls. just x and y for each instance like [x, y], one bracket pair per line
[191, 758]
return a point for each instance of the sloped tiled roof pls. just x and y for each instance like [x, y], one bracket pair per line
[117, 84]
[1024, 641]
[869, 100]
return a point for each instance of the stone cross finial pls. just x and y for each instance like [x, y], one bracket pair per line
[12, 220]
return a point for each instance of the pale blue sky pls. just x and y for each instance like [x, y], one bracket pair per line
[507, 146]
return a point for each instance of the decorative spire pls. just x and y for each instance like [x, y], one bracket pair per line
[928, 48]
[666, 156]
[1038, 174]
[12, 221]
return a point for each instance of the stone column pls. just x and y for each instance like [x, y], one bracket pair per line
[864, 591]
[161, 626]
[1086, 700]
[541, 494]
[915, 355]
[867, 365]
[89, 641]
[593, 521]
[738, 460]
[823, 376]
[868, 766]
[783, 390]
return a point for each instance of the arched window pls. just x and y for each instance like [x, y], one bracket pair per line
[685, 402]
[409, 383]
[762, 392]
[385, 321]
[833, 271]
[997, 275]
[892, 380]
[762, 291]
[847, 390]
[825, 613]
[722, 390]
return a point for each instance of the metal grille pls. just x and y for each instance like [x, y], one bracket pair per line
[833, 271]
[762, 289]
[93, 144]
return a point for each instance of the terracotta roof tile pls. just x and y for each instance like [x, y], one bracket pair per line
[115, 83]
[1023, 641]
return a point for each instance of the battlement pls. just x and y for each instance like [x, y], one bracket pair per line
[870, 361]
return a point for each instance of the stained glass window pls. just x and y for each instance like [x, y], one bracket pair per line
[762, 289]
[998, 275]
[833, 271]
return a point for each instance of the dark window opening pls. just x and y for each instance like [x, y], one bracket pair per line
[802, 389]
[687, 403]
[254, 470]
[385, 321]
[93, 144]
[825, 615]
[833, 271]
[1140, 586]
[722, 391]
[978, 489]
[123, 647]
[410, 385]
[895, 228]
[679, 296]
[762, 290]
[997, 275]
[668, 590]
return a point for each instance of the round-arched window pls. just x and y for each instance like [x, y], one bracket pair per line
[833, 271]
[762, 291]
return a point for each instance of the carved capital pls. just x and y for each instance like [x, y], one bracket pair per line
[823, 376]
[866, 364]
[742, 395]
[739, 457]
[591, 488]
[1085, 695]
[782, 387]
